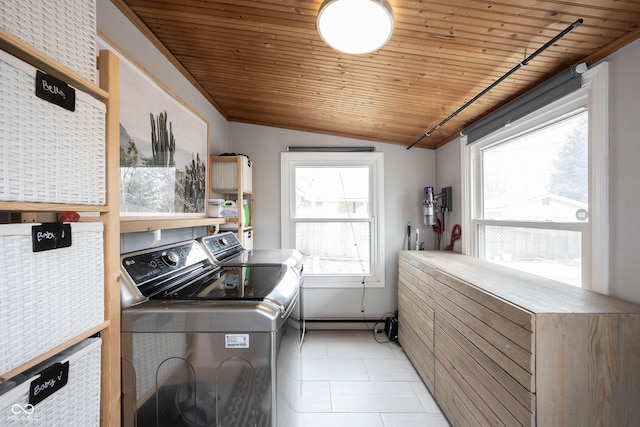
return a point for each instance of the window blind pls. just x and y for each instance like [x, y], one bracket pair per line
[544, 94]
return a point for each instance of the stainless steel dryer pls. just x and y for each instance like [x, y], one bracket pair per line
[200, 341]
[226, 250]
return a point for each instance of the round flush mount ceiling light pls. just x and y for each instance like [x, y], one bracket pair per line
[355, 26]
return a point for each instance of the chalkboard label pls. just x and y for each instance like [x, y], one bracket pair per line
[64, 235]
[51, 235]
[55, 91]
[50, 380]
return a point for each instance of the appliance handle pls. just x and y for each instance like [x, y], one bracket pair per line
[292, 305]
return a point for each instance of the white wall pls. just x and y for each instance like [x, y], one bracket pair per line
[624, 172]
[448, 175]
[406, 173]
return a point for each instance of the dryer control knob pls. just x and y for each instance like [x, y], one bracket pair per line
[170, 258]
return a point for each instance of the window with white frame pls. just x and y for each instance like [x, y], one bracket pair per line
[536, 191]
[332, 211]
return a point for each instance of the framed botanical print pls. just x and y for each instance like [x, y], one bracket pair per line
[163, 148]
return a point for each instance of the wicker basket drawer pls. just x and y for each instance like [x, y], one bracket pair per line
[77, 403]
[48, 297]
[64, 30]
[47, 153]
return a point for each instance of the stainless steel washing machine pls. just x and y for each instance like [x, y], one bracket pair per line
[200, 341]
[225, 249]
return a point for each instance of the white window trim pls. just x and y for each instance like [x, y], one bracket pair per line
[595, 86]
[288, 162]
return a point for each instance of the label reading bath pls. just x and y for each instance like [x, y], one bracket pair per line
[55, 91]
[51, 380]
[236, 341]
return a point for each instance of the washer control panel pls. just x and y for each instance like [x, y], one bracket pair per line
[144, 266]
[222, 245]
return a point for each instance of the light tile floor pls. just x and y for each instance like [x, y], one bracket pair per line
[353, 379]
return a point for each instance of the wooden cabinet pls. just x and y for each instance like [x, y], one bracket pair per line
[416, 299]
[232, 179]
[107, 214]
[510, 348]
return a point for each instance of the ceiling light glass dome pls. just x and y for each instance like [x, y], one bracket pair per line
[355, 26]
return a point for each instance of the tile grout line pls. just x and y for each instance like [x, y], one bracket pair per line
[369, 364]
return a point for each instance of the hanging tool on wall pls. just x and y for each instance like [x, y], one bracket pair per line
[456, 234]
[437, 228]
[433, 202]
[430, 204]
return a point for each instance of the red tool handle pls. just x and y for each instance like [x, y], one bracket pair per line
[456, 234]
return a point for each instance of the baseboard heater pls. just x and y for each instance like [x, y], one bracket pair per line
[343, 323]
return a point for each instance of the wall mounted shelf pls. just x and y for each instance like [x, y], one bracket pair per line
[135, 225]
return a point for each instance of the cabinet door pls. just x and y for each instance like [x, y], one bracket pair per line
[415, 318]
[484, 356]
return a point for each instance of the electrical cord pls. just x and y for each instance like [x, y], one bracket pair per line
[375, 330]
[303, 332]
[364, 288]
[381, 319]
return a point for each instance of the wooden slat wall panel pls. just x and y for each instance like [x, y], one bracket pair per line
[514, 404]
[489, 343]
[263, 61]
[483, 400]
[418, 283]
[497, 320]
[420, 317]
[416, 342]
[499, 375]
[424, 267]
[515, 314]
[415, 320]
[457, 405]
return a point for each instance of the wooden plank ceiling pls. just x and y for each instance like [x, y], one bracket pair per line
[263, 61]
